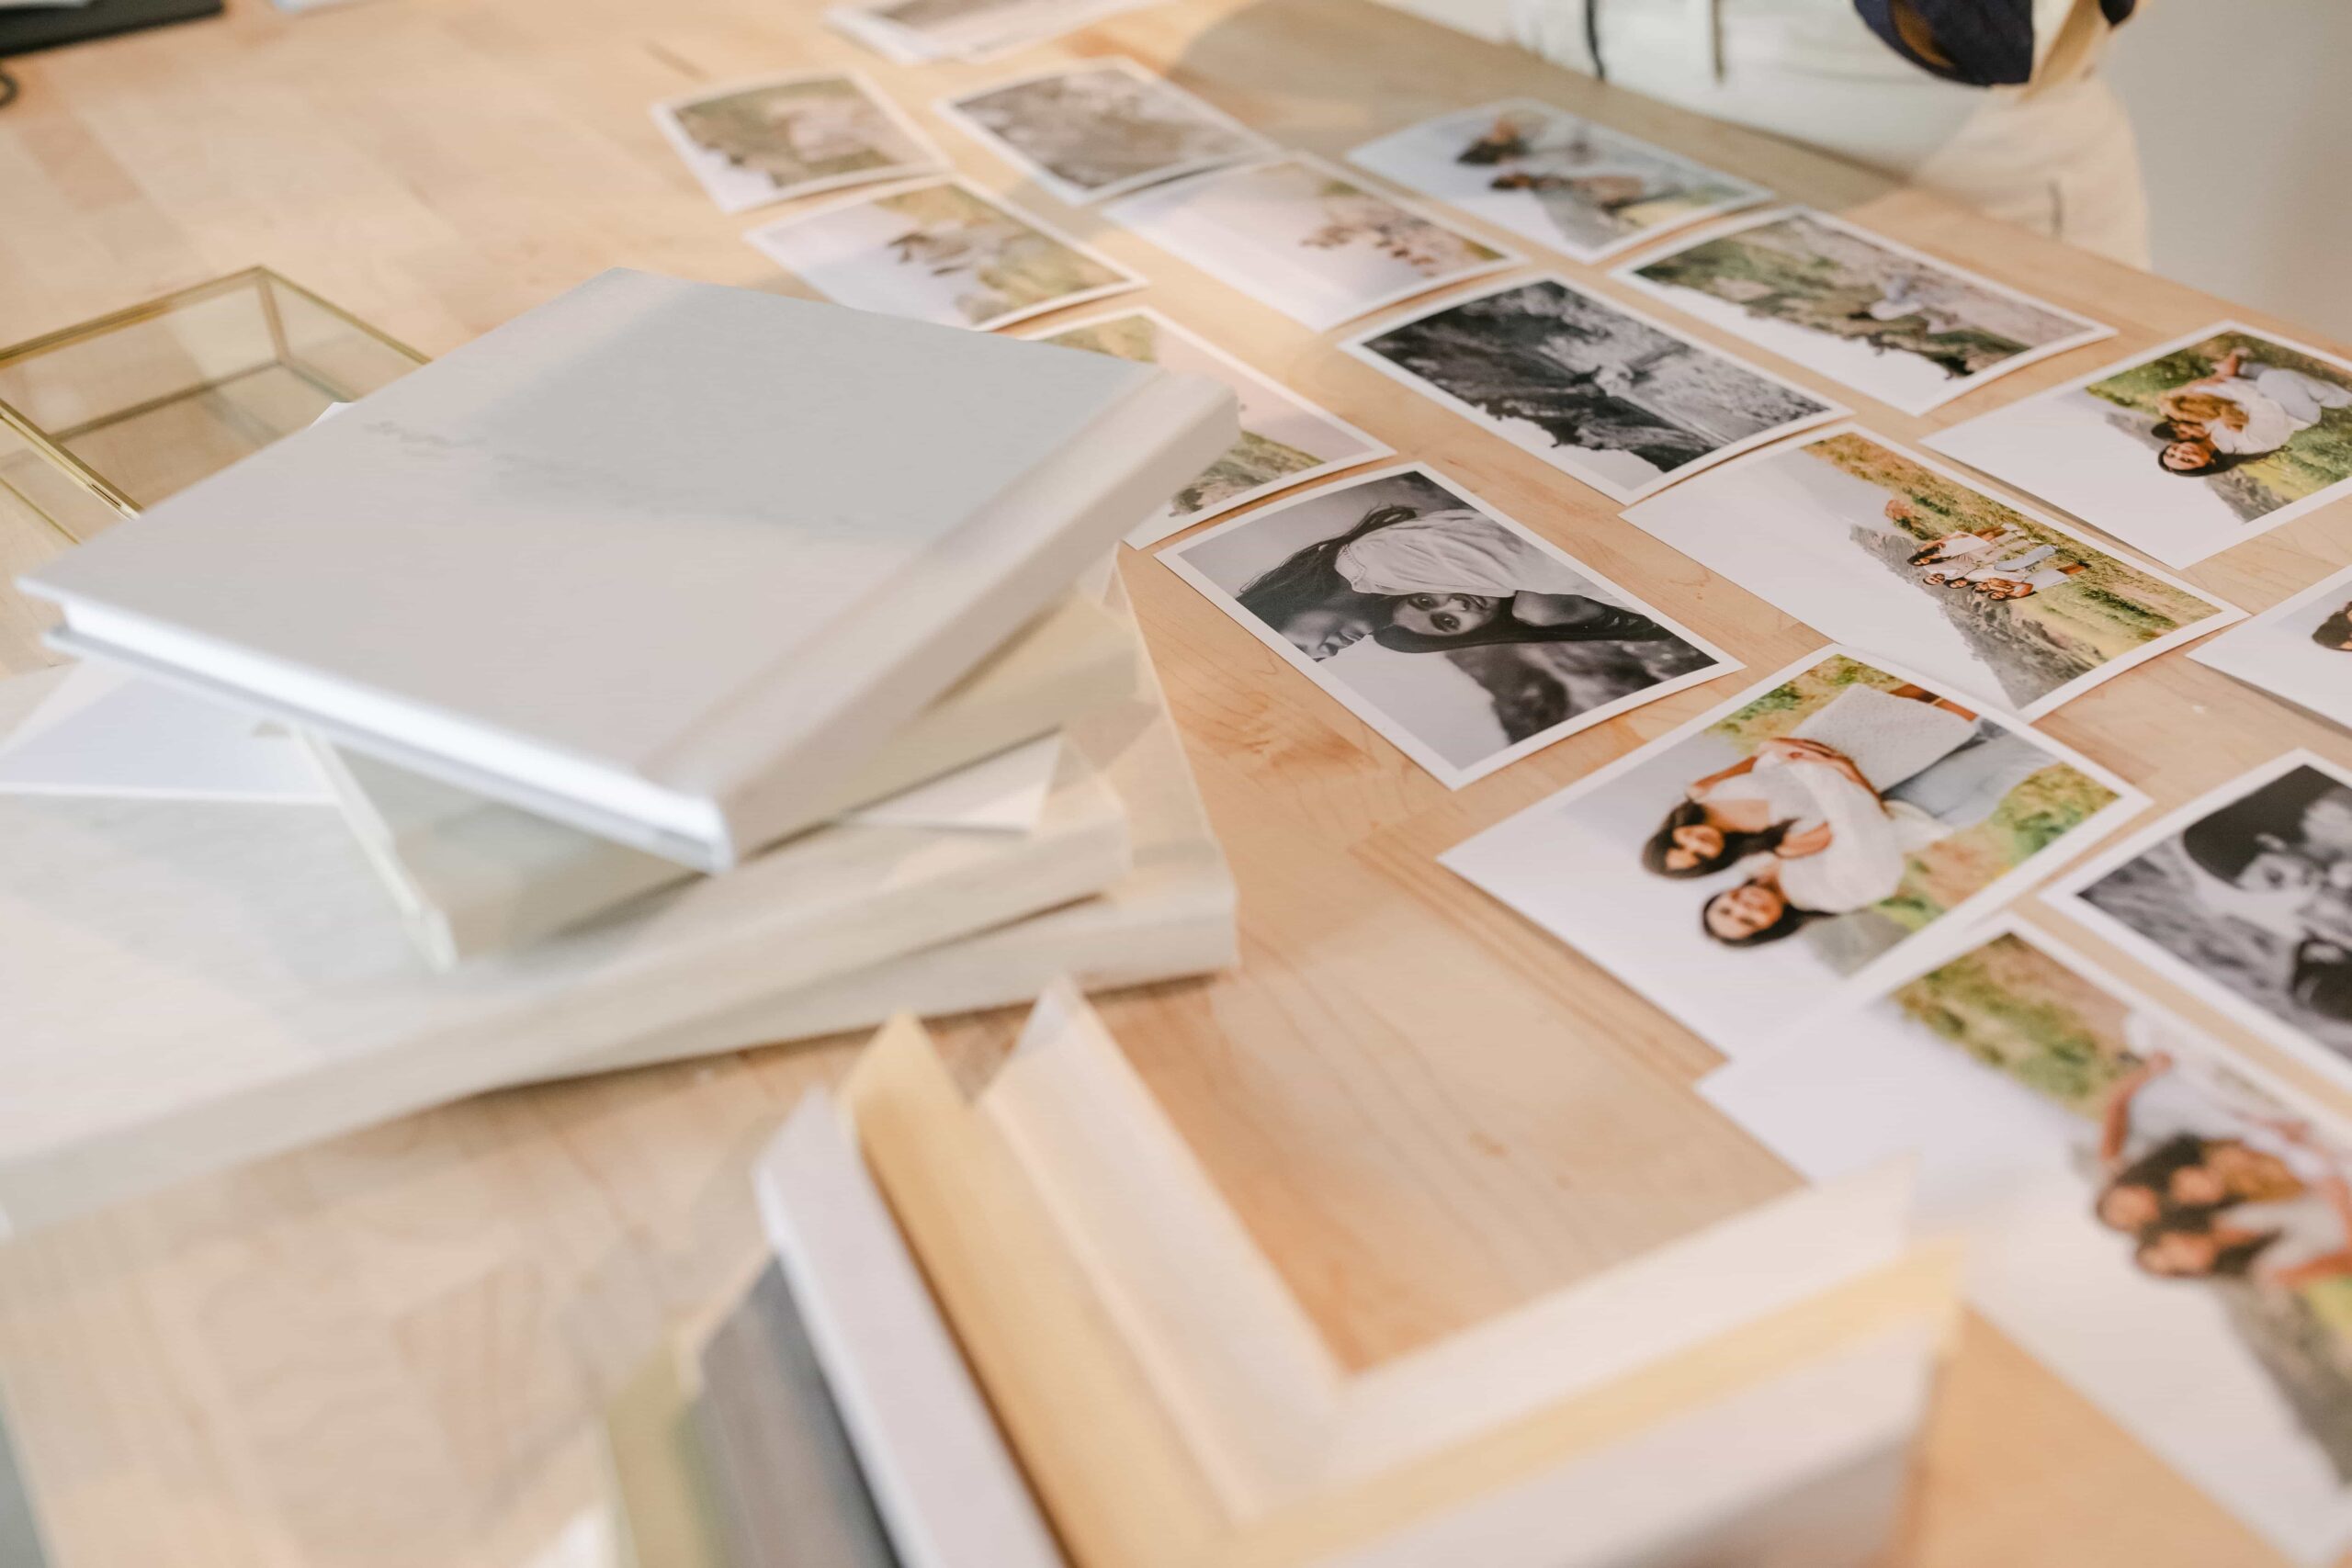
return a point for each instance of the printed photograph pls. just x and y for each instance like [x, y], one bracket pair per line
[1611, 399]
[2168, 1231]
[941, 251]
[2300, 651]
[915, 33]
[1449, 628]
[769, 140]
[1300, 236]
[1546, 175]
[2245, 898]
[1742, 869]
[2204, 444]
[1092, 131]
[1286, 440]
[1879, 549]
[1887, 321]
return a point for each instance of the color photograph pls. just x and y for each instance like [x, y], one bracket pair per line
[941, 253]
[1610, 397]
[1546, 175]
[2245, 898]
[1748, 868]
[1447, 626]
[2163, 1226]
[1301, 236]
[1092, 131]
[782, 137]
[1286, 440]
[1889, 321]
[1880, 548]
[915, 33]
[2209, 441]
[2300, 651]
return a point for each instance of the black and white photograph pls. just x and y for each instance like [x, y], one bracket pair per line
[2245, 898]
[1092, 132]
[1306, 238]
[1750, 868]
[941, 251]
[1892, 322]
[1612, 398]
[1549, 176]
[1285, 441]
[1449, 628]
[781, 137]
[2300, 650]
[2165, 1226]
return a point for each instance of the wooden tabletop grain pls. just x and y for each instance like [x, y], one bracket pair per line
[388, 1350]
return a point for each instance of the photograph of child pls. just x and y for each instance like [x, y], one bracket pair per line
[1892, 322]
[2166, 1230]
[1879, 547]
[1744, 870]
[1615, 400]
[1092, 131]
[2245, 896]
[2300, 651]
[942, 251]
[1286, 440]
[1450, 628]
[1301, 236]
[1549, 176]
[2209, 441]
[762, 141]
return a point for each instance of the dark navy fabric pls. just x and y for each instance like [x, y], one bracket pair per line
[1984, 43]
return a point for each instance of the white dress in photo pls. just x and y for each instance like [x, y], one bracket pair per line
[2278, 403]
[1888, 739]
[1455, 551]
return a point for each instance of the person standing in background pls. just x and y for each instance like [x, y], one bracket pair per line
[1998, 104]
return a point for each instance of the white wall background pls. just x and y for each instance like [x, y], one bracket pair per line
[2244, 115]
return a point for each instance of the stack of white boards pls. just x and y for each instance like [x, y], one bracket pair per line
[1025, 1329]
[693, 668]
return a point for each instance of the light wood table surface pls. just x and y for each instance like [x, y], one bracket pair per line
[389, 1350]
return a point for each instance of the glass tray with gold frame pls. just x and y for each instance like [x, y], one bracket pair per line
[101, 420]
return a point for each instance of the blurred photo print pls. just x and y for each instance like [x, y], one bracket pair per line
[1550, 177]
[2209, 441]
[2300, 651]
[1745, 869]
[941, 253]
[1092, 131]
[1461, 637]
[1892, 322]
[1878, 547]
[1301, 236]
[1610, 397]
[2245, 898]
[1286, 440]
[769, 140]
[2163, 1226]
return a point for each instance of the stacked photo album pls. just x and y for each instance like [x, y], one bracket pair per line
[1024, 1329]
[613, 690]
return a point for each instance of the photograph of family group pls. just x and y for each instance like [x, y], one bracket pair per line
[1892, 322]
[1549, 176]
[1304, 238]
[1742, 869]
[942, 251]
[2183, 452]
[2245, 896]
[1286, 440]
[1881, 548]
[1089, 132]
[2300, 650]
[2165, 1231]
[782, 137]
[1448, 628]
[1612, 399]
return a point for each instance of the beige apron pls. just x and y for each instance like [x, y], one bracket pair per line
[2055, 155]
